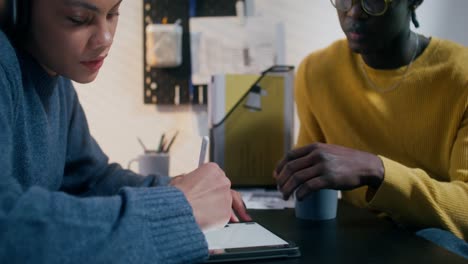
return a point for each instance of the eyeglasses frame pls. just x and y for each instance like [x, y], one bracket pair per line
[387, 3]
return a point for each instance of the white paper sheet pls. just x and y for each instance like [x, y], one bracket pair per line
[265, 199]
[242, 235]
[223, 45]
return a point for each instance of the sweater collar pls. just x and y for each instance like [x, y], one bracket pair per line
[44, 84]
[420, 61]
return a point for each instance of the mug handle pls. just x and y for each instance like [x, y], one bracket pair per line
[131, 162]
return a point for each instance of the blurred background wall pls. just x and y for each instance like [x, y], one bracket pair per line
[114, 102]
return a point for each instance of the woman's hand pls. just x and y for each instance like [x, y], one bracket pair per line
[207, 189]
[238, 208]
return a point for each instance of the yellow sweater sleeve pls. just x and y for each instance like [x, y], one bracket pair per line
[419, 129]
[411, 196]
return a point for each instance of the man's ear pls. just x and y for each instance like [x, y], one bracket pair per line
[415, 3]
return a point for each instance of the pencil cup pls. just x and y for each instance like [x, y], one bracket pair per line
[319, 205]
[152, 163]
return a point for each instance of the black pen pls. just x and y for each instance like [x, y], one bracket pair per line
[161, 143]
[171, 142]
[142, 145]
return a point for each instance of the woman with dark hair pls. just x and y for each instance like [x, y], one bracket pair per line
[384, 119]
[60, 199]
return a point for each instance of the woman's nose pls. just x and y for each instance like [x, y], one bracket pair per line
[102, 37]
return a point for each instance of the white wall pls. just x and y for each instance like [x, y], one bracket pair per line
[445, 19]
[114, 102]
[313, 24]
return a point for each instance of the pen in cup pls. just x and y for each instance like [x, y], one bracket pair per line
[161, 143]
[204, 145]
[142, 145]
[171, 142]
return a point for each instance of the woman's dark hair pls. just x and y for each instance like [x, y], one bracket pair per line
[16, 19]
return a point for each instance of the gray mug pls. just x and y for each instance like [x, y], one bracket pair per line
[318, 205]
[152, 163]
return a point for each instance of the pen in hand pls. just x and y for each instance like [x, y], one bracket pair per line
[204, 145]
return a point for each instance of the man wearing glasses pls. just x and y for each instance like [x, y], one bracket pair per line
[384, 119]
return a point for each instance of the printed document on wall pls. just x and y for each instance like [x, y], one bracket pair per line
[223, 45]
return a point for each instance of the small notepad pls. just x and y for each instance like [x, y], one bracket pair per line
[244, 241]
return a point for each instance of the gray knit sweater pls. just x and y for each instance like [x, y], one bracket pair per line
[60, 199]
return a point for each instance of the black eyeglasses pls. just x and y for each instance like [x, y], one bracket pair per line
[371, 7]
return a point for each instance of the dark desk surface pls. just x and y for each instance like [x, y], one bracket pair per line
[355, 236]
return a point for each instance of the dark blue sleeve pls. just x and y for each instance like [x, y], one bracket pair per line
[87, 169]
[135, 225]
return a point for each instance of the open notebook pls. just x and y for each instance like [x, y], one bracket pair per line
[245, 241]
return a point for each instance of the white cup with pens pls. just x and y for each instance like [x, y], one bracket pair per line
[154, 161]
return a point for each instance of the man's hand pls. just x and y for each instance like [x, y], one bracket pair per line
[323, 166]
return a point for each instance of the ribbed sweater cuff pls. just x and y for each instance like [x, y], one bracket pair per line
[168, 215]
[394, 191]
[156, 180]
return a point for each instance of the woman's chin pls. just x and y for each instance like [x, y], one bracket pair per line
[84, 78]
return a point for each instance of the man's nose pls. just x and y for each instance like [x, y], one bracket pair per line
[356, 10]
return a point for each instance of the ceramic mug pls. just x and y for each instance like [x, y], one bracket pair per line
[152, 163]
[318, 205]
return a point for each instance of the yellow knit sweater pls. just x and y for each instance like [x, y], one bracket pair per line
[419, 129]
